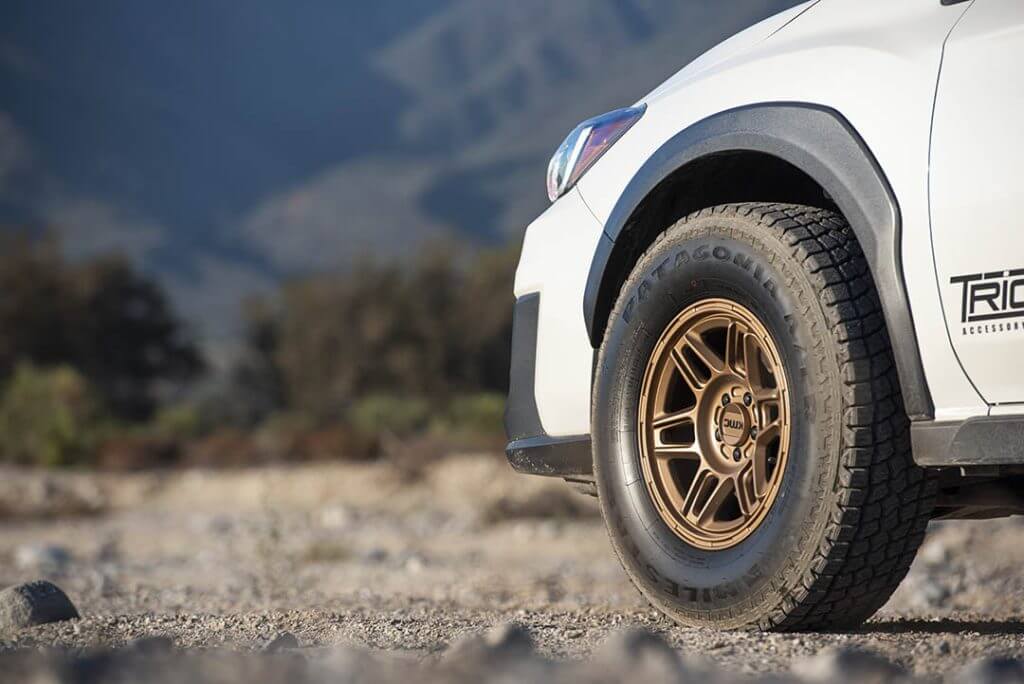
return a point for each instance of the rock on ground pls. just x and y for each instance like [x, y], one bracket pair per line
[848, 666]
[34, 603]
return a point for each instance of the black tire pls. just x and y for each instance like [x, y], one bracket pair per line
[853, 507]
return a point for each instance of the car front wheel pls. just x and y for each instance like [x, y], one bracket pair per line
[751, 450]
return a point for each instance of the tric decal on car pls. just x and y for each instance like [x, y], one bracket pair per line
[991, 301]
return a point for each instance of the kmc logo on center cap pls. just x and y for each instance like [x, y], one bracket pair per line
[734, 424]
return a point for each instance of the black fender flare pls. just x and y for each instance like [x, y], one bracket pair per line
[823, 144]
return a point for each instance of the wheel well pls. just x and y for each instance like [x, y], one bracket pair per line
[720, 178]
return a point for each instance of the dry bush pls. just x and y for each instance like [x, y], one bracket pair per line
[129, 451]
[224, 448]
[335, 443]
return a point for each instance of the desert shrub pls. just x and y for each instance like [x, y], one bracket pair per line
[390, 414]
[279, 437]
[49, 417]
[438, 326]
[337, 442]
[179, 422]
[228, 447]
[474, 414]
[126, 449]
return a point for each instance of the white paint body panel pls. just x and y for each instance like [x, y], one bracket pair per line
[976, 184]
[875, 61]
[555, 262]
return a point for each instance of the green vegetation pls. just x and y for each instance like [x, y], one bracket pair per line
[386, 358]
[101, 317]
[49, 417]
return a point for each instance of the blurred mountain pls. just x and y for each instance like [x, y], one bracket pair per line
[492, 88]
[225, 149]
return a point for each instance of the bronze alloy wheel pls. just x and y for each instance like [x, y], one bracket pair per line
[714, 424]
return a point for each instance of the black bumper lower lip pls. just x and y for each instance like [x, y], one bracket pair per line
[552, 456]
[530, 449]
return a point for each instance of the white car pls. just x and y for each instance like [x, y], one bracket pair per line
[774, 316]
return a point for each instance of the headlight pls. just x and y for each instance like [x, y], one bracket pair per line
[585, 145]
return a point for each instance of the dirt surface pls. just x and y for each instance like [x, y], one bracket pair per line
[365, 555]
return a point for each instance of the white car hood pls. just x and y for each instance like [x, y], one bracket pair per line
[729, 48]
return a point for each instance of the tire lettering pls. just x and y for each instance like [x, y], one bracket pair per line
[702, 253]
[659, 270]
[627, 311]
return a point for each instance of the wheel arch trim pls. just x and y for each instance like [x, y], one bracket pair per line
[821, 143]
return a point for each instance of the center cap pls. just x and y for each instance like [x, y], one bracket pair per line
[733, 424]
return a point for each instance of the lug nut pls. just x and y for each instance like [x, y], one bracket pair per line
[725, 400]
[748, 399]
[737, 455]
[718, 435]
[753, 432]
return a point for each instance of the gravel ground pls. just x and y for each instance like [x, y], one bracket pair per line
[364, 563]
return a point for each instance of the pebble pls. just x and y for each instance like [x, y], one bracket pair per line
[840, 665]
[637, 655]
[991, 671]
[34, 603]
[504, 642]
[283, 641]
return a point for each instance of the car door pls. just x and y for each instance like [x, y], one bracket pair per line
[976, 188]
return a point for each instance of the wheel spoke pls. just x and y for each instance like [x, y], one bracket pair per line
[690, 374]
[712, 360]
[752, 362]
[760, 460]
[672, 452]
[759, 472]
[746, 490]
[704, 480]
[675, 419]
[735, 356]
[768, 433]
[723, 487]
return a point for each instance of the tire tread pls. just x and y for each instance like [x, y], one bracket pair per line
[883, 501]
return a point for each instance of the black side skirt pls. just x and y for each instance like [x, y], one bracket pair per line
[982, 441]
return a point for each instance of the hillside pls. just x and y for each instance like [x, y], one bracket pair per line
[225, 151]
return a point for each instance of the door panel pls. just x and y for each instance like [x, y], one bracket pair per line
[977, 198]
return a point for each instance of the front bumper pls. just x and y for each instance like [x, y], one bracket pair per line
[548, 412]
[530, 449]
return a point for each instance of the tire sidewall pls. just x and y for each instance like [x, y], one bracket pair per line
[727, 257]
